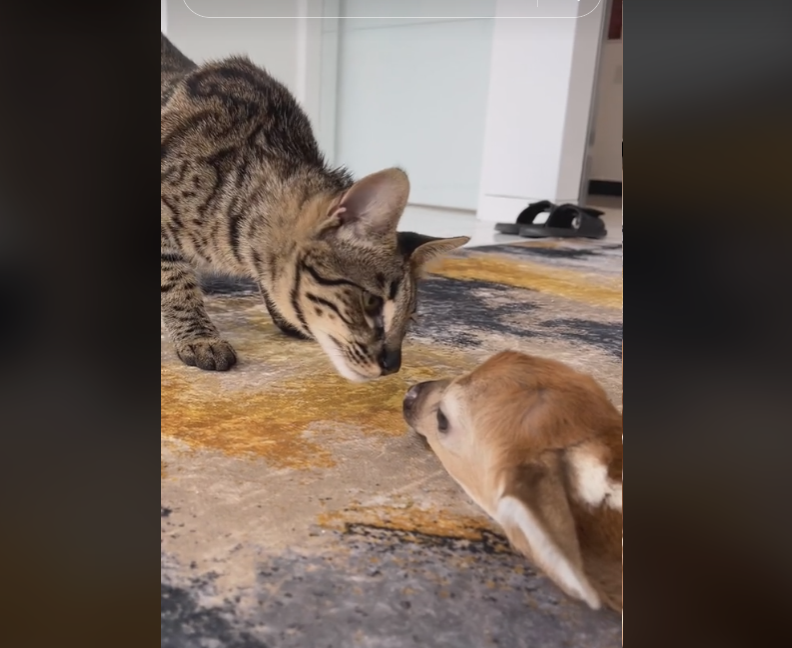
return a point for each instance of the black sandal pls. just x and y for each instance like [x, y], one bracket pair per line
[526, 217]
[568, 221]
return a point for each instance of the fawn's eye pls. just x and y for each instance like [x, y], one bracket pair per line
[442, 421]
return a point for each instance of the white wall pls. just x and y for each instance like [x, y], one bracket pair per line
[326, 122]
[164, 19]
[606, 156]
[418, 92]
[412, 92]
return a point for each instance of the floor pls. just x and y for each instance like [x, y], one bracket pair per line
[447, 222]
[297, 510]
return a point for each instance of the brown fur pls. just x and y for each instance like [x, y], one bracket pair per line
[244, 191]
[536, 431]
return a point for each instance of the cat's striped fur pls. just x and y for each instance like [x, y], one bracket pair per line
[245, 191]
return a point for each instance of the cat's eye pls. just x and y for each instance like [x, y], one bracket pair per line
[372, 304]
[442, 421]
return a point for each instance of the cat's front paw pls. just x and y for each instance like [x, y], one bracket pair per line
[209, 354]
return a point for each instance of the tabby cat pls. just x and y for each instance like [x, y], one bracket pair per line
[245, 191]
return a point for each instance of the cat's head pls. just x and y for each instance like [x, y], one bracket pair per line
[355, 287]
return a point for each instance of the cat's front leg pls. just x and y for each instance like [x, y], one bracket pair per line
[196, 339]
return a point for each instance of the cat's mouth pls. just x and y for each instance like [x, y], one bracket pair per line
[332, 349]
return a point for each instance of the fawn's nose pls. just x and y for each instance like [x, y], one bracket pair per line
[410, 398]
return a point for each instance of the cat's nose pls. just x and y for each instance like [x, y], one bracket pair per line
[390, 361]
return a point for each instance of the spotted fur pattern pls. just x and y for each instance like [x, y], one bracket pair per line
[245, 191]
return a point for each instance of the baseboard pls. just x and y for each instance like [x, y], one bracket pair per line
[605, 188]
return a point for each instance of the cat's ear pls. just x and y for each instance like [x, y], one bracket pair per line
[421, 249]
[373, 205]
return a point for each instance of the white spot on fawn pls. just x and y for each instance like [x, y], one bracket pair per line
[592, 483]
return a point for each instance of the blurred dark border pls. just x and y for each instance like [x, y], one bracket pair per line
[707, 102]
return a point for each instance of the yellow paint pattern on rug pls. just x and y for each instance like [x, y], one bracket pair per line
[234, 423]
[604, 291]
[271, 422]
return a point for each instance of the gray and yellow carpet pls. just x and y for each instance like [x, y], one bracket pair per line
[297, 510]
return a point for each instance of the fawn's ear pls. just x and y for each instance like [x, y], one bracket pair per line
[534, 511]
[372, 206]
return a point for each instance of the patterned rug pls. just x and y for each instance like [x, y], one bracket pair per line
[298, 510]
